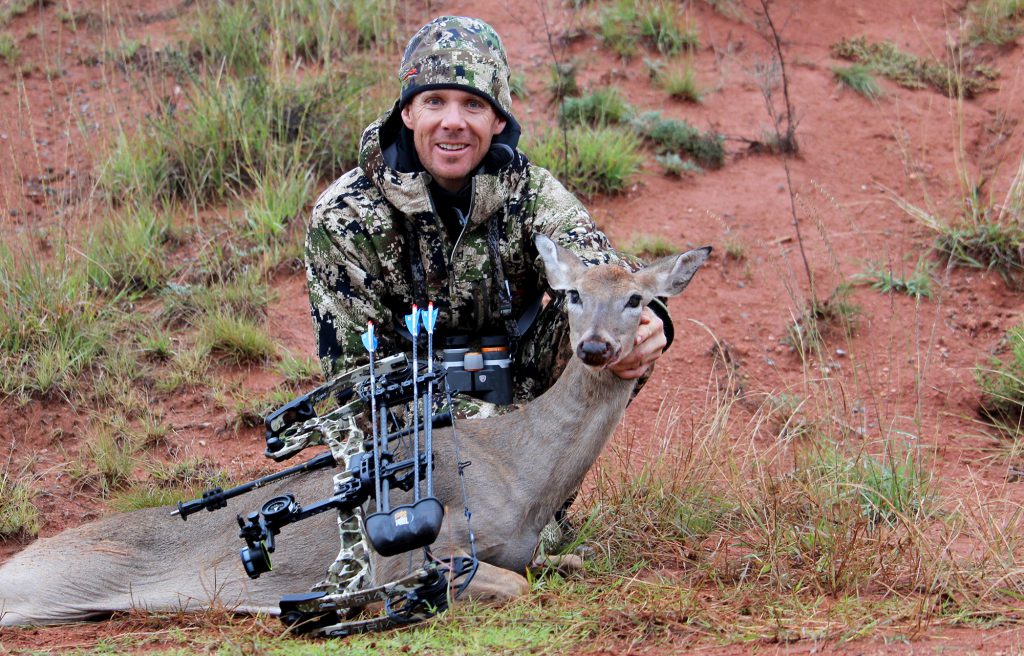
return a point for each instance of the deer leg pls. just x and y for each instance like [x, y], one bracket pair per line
[564, 564]
[492, 584]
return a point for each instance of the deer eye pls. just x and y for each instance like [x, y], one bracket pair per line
[634, 301]
[573, 296]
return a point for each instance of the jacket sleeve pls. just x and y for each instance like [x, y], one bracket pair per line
[344, 285]
[555, 212]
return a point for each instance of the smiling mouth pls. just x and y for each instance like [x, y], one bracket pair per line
[452, 148]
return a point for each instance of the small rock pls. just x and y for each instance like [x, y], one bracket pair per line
[203, 442]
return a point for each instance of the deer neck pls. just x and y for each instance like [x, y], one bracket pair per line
[562, 432]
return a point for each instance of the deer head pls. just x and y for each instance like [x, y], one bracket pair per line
[605, 301]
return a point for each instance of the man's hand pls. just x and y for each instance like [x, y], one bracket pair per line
[650, 342]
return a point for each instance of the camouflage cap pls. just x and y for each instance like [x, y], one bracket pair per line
[456, 52]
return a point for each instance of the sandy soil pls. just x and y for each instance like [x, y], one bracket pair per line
[909, 364]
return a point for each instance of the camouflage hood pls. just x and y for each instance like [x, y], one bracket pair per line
[456, 52]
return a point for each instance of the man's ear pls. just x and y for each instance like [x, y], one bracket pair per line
[407, 117]
[499, 125]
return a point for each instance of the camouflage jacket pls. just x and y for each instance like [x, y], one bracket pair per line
[373, 225]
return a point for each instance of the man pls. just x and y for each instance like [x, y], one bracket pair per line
[443, 207]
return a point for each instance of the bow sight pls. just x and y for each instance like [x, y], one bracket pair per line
[371, 470]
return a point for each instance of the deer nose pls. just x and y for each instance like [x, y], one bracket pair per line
[594, 352]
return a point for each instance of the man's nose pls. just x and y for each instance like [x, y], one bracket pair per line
[453, 118]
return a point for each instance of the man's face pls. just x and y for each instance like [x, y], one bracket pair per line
[452, 130]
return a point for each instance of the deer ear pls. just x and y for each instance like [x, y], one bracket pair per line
[670, 275]
[561, 265]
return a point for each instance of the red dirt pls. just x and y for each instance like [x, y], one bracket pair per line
[914, 361]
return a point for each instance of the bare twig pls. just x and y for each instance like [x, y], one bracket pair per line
[786, 139]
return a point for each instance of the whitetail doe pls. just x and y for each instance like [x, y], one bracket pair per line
[524, 465]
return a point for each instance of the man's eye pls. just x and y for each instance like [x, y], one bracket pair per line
[634, 301]
[573, 296]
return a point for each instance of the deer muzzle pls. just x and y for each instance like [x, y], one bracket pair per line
[596, 352]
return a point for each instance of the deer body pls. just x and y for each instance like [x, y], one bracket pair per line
[523, 466]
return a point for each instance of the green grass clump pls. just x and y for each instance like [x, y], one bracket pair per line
[128, 251]
[168, 484]
[19, 517]
[11, 9]
[238, 340]
[278, 200]
[9, 51]
[589, 160]
[605, 106]
[107, 461]
[658, 23]
[563, 83]
[234, 130]
[245, 37]
[650, 246]
[676, 136]
[859, 78]
[998, 22]
[914, 72]
[917, 285]
[51, 325]
[988, 232]
[823, 318]
[680, 81]
[1001, 380]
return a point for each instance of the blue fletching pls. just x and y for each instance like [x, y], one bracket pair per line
[412, 321]
[430, 318]
[369, 338]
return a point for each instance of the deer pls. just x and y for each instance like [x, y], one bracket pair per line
[524, 464]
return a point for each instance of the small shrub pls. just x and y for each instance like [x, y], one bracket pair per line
[602, 107]
[675, 136]
[859, 78]
[598, 160]
[675, 166]
[962, 78]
